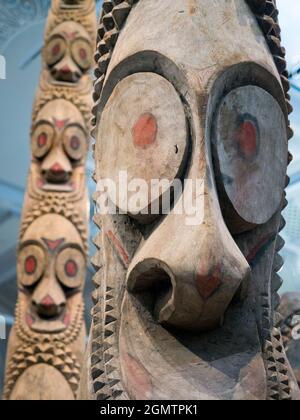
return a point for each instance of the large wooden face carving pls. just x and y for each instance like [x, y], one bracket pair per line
[68, 52]
[181, 301]
[59, 146]
[51, 272]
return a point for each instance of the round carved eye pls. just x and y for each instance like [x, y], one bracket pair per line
[250, 145]
[144, 132]
[75, 142]
[42, 139]
[82, 53]
[31, 265]
[70, 268]
[55, 50]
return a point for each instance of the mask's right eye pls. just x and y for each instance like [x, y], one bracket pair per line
[42, 140]
[143, 134]
[55, 50]
[31, 265]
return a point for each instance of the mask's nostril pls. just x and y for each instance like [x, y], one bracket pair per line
[153, 287]
[56, 174]
[47, 308]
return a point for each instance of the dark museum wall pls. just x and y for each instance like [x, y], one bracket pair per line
[21, 36]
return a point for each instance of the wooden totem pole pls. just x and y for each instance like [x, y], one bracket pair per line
[290, 328]
[47, 342]
[186, 90]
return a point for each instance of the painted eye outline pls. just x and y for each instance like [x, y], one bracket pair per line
[69, 150]
[78, 60]
[34, 255]
[44, 149]
[49, 51]
[244, 136]
[71, 255]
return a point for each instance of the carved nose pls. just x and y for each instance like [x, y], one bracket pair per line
[190, 281]
[66, 73]
[56, 174]
[47, 308]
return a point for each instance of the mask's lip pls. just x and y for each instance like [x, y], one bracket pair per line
[68, 187]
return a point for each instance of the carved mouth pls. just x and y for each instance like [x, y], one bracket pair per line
[45, 186]
[65, 74]
[43, 323]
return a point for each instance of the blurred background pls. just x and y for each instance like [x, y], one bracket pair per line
[21, 37]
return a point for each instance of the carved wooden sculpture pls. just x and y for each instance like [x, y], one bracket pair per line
[191, 89]
[290, 328]
[47, 342]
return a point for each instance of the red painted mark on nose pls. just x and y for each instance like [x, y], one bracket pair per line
[53, 245]
[208, 281]
[71, 268]
[65, 70]
[30, 265]
[246, 138]
[144, 131]
[48, 301]
[57, 168]
[82, 54]
[55, 50]
[42, 140]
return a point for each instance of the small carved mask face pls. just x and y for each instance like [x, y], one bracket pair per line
[59, 143]
[51, 271]
[68, 52]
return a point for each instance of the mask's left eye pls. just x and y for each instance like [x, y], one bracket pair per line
[31, 265]
[70, 268]
[75, 143]
[250, 147]
[82, 53]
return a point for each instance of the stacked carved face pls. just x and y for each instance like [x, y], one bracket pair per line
[51, 272]
[68, 52]
[59, 147]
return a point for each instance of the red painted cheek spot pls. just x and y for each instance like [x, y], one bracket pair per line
[42, 140]
[29, 320]
[71, 268]
[208, 281]
[144, 131]
[30, 265]
[67, 320]
[246, 137]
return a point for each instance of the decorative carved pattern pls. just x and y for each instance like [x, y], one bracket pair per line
[114, 375]
[48, 339]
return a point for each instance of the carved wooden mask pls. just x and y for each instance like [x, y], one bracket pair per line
[51, 272]
[68, 52]
[188, 312]
[59, 146]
